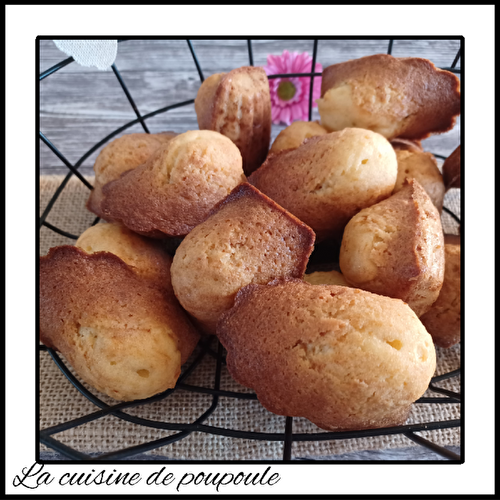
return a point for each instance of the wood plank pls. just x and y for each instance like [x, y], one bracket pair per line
[221, 54]
[80, 106]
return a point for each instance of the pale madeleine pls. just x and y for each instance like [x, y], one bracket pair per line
[343, 358]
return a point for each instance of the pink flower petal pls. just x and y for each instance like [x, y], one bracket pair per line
[270, 70]
[275, 63]
[296, 108]
[285, 116]
[305, 64]
[275, 115]
[304, 88]
[296, 112]
[272, 60]
[280, 104]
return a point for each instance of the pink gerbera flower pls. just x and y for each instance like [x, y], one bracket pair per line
[290, 96]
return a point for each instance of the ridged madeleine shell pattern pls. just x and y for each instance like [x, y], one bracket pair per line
[238, 105]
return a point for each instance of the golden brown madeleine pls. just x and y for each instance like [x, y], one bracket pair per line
[443, 319]
[326, 278]
[122, 335]
[294, 135]
[119, 156]
[343, 358]
[406, 144]
[146, 256]
[423, 167]
[451, 170]
[248, 239]
[330, 178]
[396, 248]
[238, 105]
[397, 97]
[177, 187]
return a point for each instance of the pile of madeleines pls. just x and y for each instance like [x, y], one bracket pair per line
[348, 349]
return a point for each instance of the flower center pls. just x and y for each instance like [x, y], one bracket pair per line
[286, 90]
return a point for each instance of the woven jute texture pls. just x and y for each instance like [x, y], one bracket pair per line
[61, 402]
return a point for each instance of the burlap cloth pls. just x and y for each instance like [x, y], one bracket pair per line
[60, 401]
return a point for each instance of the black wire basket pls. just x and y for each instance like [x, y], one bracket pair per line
[210, 348]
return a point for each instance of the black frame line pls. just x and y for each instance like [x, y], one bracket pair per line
[183, 430]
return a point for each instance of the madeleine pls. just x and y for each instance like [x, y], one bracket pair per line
[396, 248]
[248, 239]
[330, 178]
[405, 97]
[343, 358]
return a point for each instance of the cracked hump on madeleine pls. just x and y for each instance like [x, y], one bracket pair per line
[121, 155]
[396, 248]
[330, 178]
[443, 319]
[397, 97]
[177, 187]
[343, 358]
[238, 105]
[248, 239]
[124, 336]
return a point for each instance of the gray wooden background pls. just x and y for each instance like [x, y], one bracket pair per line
[80, 106]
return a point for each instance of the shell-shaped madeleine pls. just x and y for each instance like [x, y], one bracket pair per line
[396, 248]
[397, 97]
[330, 178]
[177, 187]
[124, 336]
[248, 239]
[119, 156]
[343, 358]
[238, 105]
